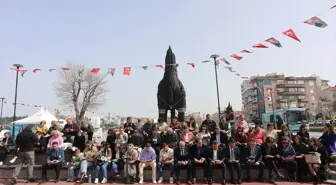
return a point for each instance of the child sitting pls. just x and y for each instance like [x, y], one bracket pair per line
[74, 164]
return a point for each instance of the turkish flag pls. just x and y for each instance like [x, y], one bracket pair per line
[65, 69]
[245, 77]
[259, 45]
[15, 69]
[237, 57]
[192, 64]
[36, 69]
[226, 62]
[127, 71]
[290, 33]
[315, 21]
[111, 71]
[95, 70]
[252, 83]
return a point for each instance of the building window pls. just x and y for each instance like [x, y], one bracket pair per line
[280, 97]
[280, 82]
[313, 98]
[301, 97]
[291, 89]
[290, 82]
[281, 90]
[300, 82]
[301, 89]
[311, 90]
[311, 82]
[293, 104]
[267, 82]
[283, 104]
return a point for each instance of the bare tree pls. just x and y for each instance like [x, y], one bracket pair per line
[80, 89]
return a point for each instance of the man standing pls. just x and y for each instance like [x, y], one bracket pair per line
[25, 141]
[55, 160]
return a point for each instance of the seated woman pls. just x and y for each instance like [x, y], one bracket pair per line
[192, 126]
[76, 160]
[187, 136]
[300, 151]
[316, 169]
[116, 162]
[130, 159]
[304, 134]
[7, 145]
[42, 131]
[204, 135]
[104, 156]
[286, 154]
[55, 136]
[241, 140]
[270, 132]
[284, 132]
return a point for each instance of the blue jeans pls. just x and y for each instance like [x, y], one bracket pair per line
[103, 168]
[71, 171]
[160, 168]
[84, 166]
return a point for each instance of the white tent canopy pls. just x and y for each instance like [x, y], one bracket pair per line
[42, 115]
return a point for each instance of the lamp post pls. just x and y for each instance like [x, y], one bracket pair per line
[2, 101]
[18, 66]
[215, 56]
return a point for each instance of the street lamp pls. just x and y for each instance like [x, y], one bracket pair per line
[215, 56]
[18, 66]
[2, 101]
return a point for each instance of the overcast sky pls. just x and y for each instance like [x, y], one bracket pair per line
[48, 34]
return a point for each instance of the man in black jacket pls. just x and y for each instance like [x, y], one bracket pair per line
[254, 158]
[232, 156]
[198, 156]
[209, 123]
[220, 137]
[181, 160]
[25, 141]
[269, 150]
[216, 160]
[170, 137]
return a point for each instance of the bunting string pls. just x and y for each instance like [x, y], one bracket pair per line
[236, 57]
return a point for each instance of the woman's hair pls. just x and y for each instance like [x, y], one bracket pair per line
[269, 125]
[297, 136]
[302, 127]
[193, 124]
[330, 128]
[54, 132]
[284, 126]
[43, 122]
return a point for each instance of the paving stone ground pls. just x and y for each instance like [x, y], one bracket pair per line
[22, 182]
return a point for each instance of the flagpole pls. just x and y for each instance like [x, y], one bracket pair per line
[215, 56]
[18, 66]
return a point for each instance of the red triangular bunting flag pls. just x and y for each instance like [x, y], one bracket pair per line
[192, 64]
[274, 41]
[23, 71]
[95, 70]
[290, 33]
[259, 45]
[252, 83]
[237, 57]
[65, 69]
[159, 65]
[245, 77]
[245, 51]
[36, 69]
[127, 71]
[315, 21]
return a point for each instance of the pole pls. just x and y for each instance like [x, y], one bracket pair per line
[274, 118]
[218, 102]
[15, 99]
[2, 101]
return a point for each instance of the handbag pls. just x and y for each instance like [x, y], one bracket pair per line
[314, 158]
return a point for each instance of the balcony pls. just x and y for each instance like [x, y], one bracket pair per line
[290, 85]
[281, 100]
[291, 93]
[302, 99]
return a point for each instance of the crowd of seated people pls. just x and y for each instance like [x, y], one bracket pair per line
[187, 147]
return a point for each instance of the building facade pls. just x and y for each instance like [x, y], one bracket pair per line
[261, 94]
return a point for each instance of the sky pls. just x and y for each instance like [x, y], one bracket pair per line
[49, 34]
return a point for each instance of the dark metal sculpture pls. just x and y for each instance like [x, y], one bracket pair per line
[171, 95]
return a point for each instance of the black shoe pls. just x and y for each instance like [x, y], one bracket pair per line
[13, 181]
[261, 179]
[31, 180]
[233, 182]
[210, 181]
[57, 180]
[193, 181]
[239, 181]
[178, 182]
[248, 179]
[205, 180]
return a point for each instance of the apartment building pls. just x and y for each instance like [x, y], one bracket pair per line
[287, 92]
